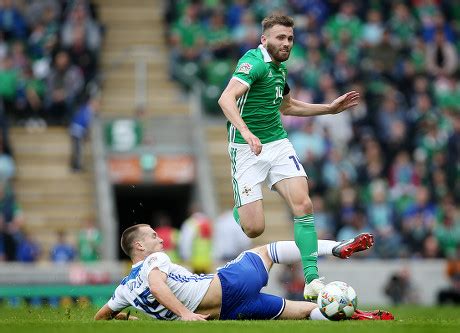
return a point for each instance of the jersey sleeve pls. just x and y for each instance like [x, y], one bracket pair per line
[158, 260]
[117, 302]
[249, 69]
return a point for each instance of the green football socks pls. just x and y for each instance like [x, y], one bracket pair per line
[306, 240]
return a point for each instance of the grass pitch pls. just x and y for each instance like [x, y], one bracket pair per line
[79, 320]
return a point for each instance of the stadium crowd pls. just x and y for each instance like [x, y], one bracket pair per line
[391, 165]
[49, 53]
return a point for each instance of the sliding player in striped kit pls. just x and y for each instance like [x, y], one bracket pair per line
[167, 291]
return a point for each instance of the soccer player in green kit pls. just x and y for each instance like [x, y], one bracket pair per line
[258, 145]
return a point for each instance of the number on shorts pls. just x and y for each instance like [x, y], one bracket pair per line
[296, 161]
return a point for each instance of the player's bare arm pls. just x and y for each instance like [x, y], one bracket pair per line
[293, 107]
[164, 295]
[106, 313]
[227, 102]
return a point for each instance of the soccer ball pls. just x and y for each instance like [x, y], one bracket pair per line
[337, 300]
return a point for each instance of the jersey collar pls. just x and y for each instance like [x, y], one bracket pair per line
[264, 51]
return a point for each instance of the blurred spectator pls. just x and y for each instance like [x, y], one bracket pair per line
[390, 115]
[187, 43]
[31, 95]
[65, 83]
[28, 249]
[218, 39]
[11, 221]
[373, 165]
[44, 36]
[324, 224]
[345, 21]
[453, 158]
[78, 17]
[451, 294]
[7, 164]
[308, 142]
[228, 240]
[9, 80]
[381, 218]
[246, 34]
[419, 220]
[402, 24]
[337, 170]
[81, 55]
[400, 288]
[236, 11]
[195, 242]
[63, 251]
[79, 130]
[382, 58]
[11, 20]
[373, 28]
[89, 242]
[447, 228]
[163, 226]
[441, 56]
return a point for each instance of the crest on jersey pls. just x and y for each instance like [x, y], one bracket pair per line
[151, 260]
[270, 74]
[244, 68]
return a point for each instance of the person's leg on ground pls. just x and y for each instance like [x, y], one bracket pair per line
[301, 310]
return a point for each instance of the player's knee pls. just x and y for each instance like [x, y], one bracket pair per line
[253, 231]
[303, 207]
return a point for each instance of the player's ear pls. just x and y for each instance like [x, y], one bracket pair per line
[263, 40]
[138, 245]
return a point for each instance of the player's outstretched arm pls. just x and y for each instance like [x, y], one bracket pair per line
[106, 313]
[293, 107]
[164, 295]
[227, 101]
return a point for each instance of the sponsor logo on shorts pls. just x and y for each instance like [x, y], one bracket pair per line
[244, 68]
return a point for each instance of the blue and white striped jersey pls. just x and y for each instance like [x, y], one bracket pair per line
[134, 289]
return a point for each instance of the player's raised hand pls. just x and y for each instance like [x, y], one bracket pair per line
[344, 102]
[253, 141]
[194, 317]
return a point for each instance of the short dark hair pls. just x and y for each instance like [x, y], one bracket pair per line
[128, 237]
[277, 19]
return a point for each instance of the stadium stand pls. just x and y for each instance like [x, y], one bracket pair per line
[49, 54]
[129, 24]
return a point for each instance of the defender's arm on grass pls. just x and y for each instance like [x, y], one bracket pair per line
[293, 107]
[164, 295]
[106, 313]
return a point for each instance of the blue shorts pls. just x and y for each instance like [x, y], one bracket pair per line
[241, 280]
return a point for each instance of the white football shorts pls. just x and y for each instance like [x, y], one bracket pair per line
[276, 162]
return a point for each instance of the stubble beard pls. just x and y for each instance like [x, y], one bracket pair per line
[274, 53]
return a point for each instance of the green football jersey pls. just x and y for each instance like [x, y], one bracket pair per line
[259, 106]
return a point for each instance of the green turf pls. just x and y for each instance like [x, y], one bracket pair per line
[409, 319]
